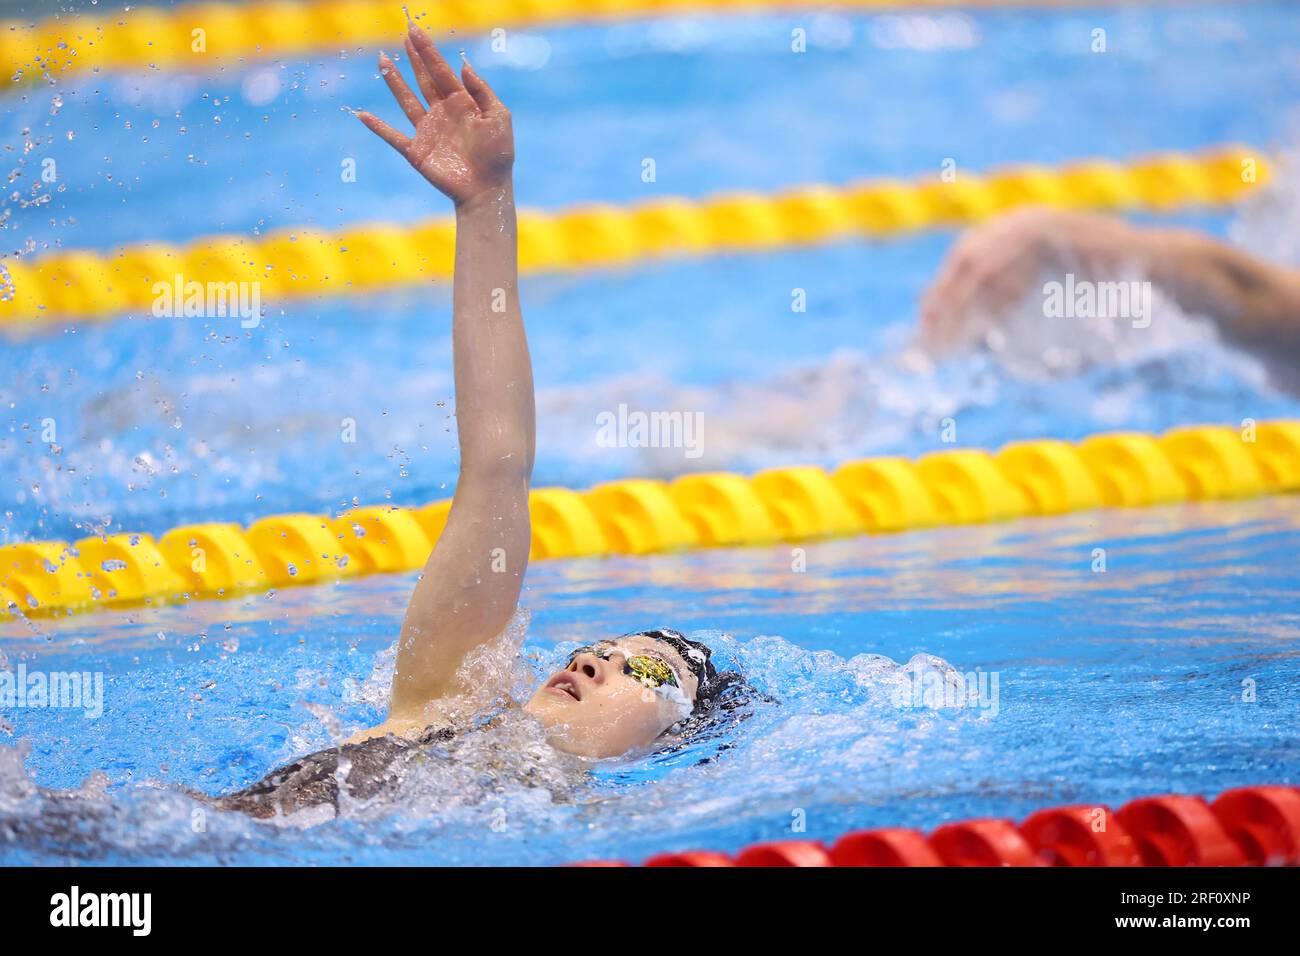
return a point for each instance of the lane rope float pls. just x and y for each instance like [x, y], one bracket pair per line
[644, 516]
[1248, 826]
[300, 263]
[152, 37]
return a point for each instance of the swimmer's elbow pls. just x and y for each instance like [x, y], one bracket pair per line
[505, 462]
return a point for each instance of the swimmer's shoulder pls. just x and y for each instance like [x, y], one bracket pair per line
[401, 728]
[402, 732]
[412, 727]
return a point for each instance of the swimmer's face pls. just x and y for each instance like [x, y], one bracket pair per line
[595, 708]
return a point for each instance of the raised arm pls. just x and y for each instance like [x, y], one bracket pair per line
[463, 144]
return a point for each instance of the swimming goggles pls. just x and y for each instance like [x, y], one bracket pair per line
[653, 672]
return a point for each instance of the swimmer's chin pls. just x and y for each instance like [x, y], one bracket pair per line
[559, 733]
[564, 735]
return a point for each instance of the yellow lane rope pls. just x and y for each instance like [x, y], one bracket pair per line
[299, 263]
[641, 516]
[204, 35]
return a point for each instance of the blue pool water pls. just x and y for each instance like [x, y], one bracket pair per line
[163, 421]
[1110, 685]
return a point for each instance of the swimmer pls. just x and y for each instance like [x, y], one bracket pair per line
[1255, 304]
[615, 697]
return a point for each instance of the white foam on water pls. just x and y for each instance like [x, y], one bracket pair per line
[1268, 220]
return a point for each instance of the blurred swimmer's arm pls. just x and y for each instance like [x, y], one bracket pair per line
[993, 266]
[1254, 302]
[463, 144]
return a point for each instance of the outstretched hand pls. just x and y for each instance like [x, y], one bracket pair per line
[463, 141]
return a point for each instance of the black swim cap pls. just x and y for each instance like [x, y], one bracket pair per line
[721, 700]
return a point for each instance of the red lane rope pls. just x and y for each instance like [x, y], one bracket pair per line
[1249, 826]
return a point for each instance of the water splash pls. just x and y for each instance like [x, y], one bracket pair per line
[1268, 219]
[502, 777]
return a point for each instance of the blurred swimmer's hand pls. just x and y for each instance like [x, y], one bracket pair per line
[993, 266]
[463, 141]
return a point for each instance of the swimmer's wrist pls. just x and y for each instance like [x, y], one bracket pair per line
[489, 198]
